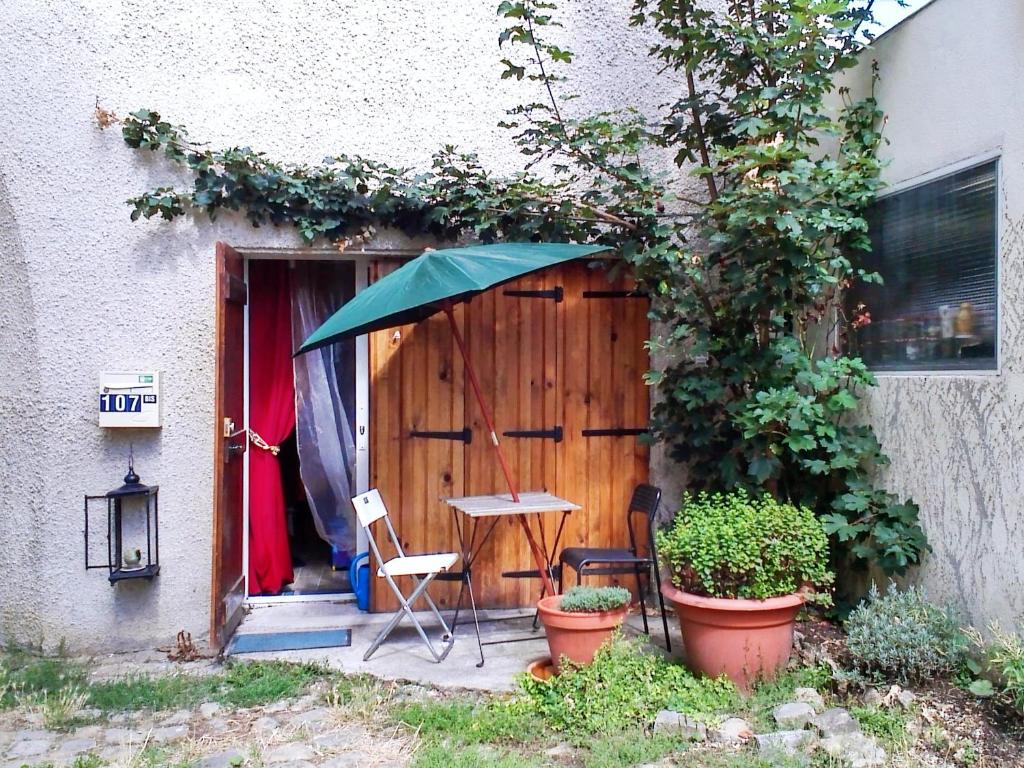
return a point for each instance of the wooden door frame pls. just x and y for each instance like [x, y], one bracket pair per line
[221, 624]
[361, 260]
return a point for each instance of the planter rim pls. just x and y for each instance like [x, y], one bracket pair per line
[677, 595]
[548, 605]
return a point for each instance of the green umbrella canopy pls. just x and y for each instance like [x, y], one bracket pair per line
[419, 288]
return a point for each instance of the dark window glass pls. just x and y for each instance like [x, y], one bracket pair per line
[935, 247]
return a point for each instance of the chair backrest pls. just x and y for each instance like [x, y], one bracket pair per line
[369, 507]
[645, 500]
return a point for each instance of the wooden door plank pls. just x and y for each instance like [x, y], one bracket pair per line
[575, 396]
[386, 439]
[227, 591]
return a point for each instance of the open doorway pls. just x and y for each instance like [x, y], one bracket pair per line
[301, 467]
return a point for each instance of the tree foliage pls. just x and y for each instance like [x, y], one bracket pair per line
[745, 277]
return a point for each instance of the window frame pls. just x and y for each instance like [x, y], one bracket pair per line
[921, 180]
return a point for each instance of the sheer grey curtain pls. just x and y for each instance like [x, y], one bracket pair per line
[324, 401]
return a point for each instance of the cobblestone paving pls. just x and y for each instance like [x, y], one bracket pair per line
[305, 732]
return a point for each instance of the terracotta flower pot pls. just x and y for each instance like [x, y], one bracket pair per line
[576, 636]
[746, 640]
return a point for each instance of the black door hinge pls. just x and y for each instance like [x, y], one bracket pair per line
[556, 293]
[465, 435]
[616, 432]
[555, 433]
[615, 295]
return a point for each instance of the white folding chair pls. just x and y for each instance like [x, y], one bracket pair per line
[422, 568]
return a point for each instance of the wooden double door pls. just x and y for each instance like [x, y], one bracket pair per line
[561, 358]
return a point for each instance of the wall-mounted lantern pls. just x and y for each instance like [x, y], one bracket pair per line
[133, 539]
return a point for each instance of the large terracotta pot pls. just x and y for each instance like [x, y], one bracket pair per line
[576, 635]
[746, 640]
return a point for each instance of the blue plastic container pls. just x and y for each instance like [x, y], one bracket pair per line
[359, 576]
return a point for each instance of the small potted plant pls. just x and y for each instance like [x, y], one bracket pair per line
[579, 622]
[740, 568]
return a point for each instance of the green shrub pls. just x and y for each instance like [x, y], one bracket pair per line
[594, 599]
[734, 545]
[624, 688]
[901, 636]
[1004, 656]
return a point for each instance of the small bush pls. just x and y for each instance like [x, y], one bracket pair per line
[901, 636]
[1005, 659]
[624, 688]
[732, 545]
[594, 599]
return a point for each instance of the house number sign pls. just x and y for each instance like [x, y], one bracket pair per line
[130, 399]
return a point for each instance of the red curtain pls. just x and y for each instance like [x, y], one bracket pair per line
[272, 418]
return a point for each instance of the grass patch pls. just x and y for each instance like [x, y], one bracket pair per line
[493, 721]
[60, 687]
[629, 748]
[360, 696]
[241, 685]
[441, 755]
[888, 725]
[769, 694]
[152, 693]
[248, 685]
[27, 678]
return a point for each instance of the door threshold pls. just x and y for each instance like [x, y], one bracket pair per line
[326, 597]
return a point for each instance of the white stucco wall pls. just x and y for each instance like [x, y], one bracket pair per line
[83, 289]
[952, 90]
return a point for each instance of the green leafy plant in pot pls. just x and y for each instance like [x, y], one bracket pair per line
[740, 568]
[580, 621]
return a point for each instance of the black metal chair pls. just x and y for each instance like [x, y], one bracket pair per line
[598, 561]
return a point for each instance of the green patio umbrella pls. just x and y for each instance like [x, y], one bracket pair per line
[434, 282]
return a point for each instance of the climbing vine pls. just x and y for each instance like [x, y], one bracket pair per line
[745, 277]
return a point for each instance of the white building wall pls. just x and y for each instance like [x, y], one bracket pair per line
[952, 89]
[82, 289]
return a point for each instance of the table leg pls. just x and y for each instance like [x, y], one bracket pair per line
[470, 551]
[550, 555]
[476, 618]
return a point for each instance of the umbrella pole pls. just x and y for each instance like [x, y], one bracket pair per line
[538, 556]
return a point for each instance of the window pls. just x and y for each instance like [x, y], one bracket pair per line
[935, 247]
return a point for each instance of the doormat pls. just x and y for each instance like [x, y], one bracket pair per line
[301, 640]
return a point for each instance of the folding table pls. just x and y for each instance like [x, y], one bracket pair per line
[473, 513]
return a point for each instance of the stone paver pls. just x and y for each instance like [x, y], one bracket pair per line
[809, 696]
[124, 736]
[348, 760]
[76, 746]
[733, 731]
[341, 738]
[856, 750]
[28, 748]
[209, 708]
[314, 717]
[784, 742]
[793, 715]
[834, 722]
[168, 733]
[677, 724]
[265, 725]
[289, 753]
[226, 759]
[180, 717]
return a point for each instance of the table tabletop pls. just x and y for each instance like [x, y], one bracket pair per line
[492, 505]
